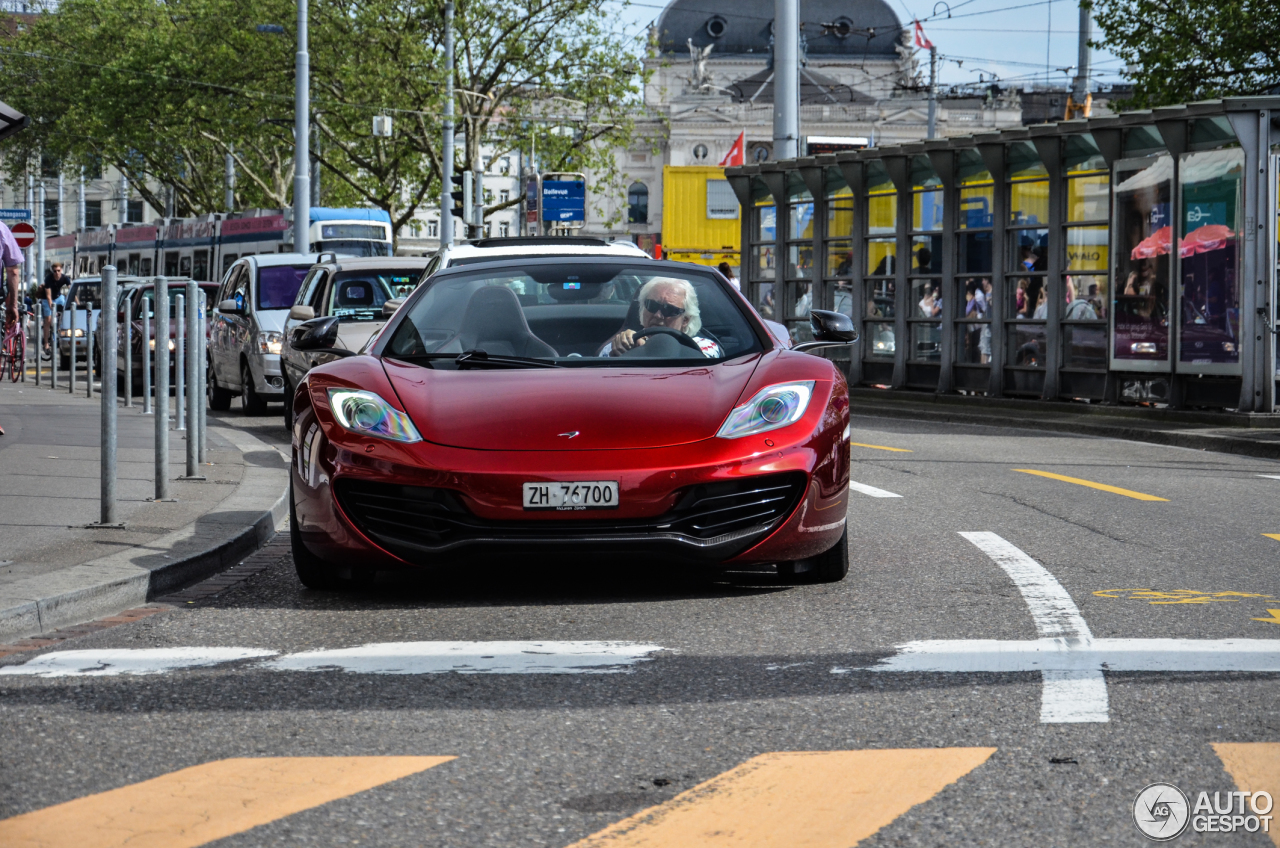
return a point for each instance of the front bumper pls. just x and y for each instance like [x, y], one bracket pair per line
[268, 380]
[711, 502]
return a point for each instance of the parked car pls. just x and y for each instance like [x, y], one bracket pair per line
[530, 409]
[361, 293]
[142, 308]
[247, 329]
[498, 249]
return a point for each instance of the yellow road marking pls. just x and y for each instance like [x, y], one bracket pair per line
[1275, 536]
[802, 799]
[1128, 493]
[1176, 596]
[204, 803]
[881, 447]
[1274, 619]
[1255, 767]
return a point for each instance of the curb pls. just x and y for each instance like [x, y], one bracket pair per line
[239, 525]
[1171, 438]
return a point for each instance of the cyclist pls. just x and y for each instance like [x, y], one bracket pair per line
[49, 293]
[11, 259]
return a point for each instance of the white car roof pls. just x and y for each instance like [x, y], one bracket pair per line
[624, 249]
[267, 260]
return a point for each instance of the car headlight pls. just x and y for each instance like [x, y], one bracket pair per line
[270, 342]
[1229, 347]
[172, 345]
[771, 408]
[66, 334]
[369, 415]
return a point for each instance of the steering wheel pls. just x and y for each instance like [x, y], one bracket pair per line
[683, 338]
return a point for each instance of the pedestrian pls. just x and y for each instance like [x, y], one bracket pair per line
[49, 290]
[728, 273]
[11, 259]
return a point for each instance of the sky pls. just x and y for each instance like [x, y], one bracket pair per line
[1015, 40]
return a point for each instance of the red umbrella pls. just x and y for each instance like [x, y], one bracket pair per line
[1203, 239]
[1157, 244]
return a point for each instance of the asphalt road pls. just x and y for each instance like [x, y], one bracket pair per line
[712, 679]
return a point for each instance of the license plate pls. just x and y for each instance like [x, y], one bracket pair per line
[571, 496]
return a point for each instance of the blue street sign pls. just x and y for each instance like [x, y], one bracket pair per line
[564, 200]
[15, 214]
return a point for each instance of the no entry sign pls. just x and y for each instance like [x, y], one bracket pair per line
[24, 234]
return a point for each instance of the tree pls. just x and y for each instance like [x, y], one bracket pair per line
[1181, 52]
[164, 89]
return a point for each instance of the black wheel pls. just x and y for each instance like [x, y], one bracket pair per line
[314, 572]
[249, 398]
[219, 398]
[288, 405]
[829, 567]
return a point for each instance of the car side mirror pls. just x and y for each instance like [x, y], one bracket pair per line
[318, 334]
[229, 307]
[301, 313]
[389, 308]
[830, 329]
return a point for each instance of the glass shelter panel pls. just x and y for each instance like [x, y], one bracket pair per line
[1143, 240]
[975, 207]
[1209, 246]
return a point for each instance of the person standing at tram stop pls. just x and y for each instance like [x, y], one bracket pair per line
[11, 259]
[48, 292]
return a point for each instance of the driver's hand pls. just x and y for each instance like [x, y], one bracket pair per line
[624, 341]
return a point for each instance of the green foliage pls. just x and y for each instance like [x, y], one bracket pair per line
[1182, 52]
[163, 89]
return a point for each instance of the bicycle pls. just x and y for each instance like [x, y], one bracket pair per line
[13, 352]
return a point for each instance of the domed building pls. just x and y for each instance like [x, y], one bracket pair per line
[861, 77]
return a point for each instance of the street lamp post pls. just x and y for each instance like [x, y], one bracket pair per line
[446, 158]
[301, 138]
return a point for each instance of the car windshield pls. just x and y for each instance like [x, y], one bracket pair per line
[359, 295]
[580, 314]
[278, 285]
[85, 295]
[355, 247]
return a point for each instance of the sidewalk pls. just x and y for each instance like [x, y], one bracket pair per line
[1247, 434]
[55, 571]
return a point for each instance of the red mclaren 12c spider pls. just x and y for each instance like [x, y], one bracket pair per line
[607, 408]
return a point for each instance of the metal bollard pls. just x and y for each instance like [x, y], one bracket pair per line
[162, 388]
[146, 355]
[203, 370]
[39, 346]
[128, 349]
[88, 351]
[71, 335]
[53, 349]
[195, 400]
[179, 365]
[108, 513]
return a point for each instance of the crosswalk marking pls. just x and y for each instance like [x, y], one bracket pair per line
[801, 799]
[871, 490]
[1255, 767]
[204, 803]
[1128, 493]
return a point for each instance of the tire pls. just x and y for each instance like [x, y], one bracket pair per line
[249, 398]
[829, 567]
[288, 405]
[219, 398]
[314, 572]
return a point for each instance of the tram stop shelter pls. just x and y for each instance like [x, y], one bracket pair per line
[1128, 258]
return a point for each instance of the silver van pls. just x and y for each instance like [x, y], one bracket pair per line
[246, 329]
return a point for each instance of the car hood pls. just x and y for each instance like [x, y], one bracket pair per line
[537, 409]
[272, 320]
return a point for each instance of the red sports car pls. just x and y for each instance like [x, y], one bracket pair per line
[609, 408]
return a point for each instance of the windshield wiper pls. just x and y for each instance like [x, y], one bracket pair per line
[481, 359]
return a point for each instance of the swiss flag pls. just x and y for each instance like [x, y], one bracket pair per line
[737, 152]
[921, 40]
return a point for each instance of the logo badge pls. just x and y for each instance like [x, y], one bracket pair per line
[1161, 811]
[572, 434]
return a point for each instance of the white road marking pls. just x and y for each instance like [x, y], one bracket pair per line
[472, 658]
[1076, 694]
[1270, 476]
[871, 490]
[110, 662]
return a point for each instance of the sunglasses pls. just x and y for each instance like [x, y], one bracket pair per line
[666, 310]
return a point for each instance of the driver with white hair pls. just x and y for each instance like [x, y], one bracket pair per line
[665, 302]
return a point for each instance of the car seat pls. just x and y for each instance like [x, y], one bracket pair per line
[495, 323]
